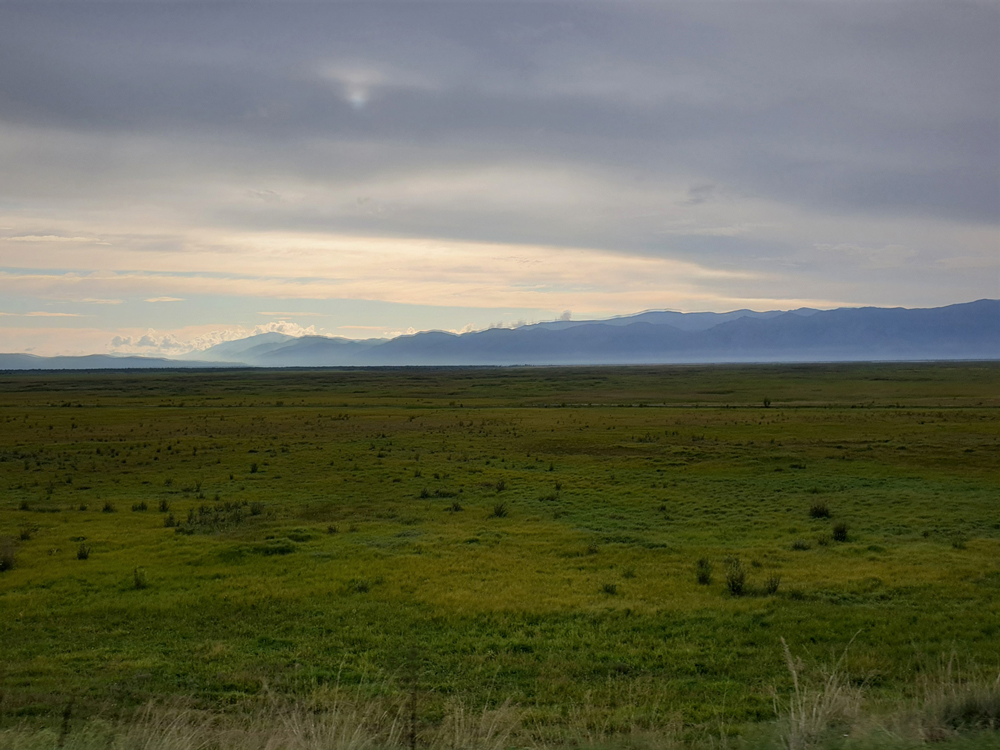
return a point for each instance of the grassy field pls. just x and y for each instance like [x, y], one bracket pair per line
[472, 537]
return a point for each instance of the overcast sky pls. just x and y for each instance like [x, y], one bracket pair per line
[175, 174]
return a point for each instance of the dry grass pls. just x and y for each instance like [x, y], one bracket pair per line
[813, 710]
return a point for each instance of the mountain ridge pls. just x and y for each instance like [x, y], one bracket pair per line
[968, 330]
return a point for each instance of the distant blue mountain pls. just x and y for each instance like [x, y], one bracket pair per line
[96, 362]
[964, 331]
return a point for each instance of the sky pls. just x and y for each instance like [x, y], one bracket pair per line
[177, 174]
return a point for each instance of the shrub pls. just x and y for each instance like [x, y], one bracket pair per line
[169, 522]
[959, 541]
[819, 510]
[499, 510]
[703, 571]
[24, 505]
[800, 545]
[8, 555]
[611, 589]
[772, 584]
[840, 532]
[139, 578]
[26, 532]
[736, 576]
[501, 485]
[83, 506]
[139, 507]
[253, 468]
[256, 508]
[359, 585]
[456, 507]
[83, 552]
[331, 529]
[108, 507]
[164, 506]
[628, 573]
[424, 493]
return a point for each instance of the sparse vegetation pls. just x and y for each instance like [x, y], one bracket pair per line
[255, 599]
[83, 552]
[840, 532]
[703, 571]
[8, 554]
[819, 510]
[736, 576]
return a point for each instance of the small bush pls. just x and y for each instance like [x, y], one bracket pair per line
[139, 507]
[331, 529]
[819, 510]
[424, 493]
[801, 545]
[823, 541]
[959, 541]
[164, 506]
[139, 578]
[8, 555]
[499, 510]
[456, 507]
[628, 573]
[170, 521]
[108, 507]
[83, 552]
[24, 505]
[611, 589]
[26, 532]
[840, 532]
[256, 508]
[359, 585]
[703, 571]
[253, 468]
[736, 576]
[593, 549]
[501, 485]
[772, 584]
[83, 506]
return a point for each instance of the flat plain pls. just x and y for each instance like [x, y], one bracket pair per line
[616, 548]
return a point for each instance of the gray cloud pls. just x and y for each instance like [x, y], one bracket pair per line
[353, 117]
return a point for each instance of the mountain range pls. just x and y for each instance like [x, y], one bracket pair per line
[964, 331]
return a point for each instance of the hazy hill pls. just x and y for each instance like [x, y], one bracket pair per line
[94, 362]
[964, 331]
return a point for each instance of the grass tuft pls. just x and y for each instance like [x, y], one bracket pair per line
[703, 571]
[819, 510]
[736, 576]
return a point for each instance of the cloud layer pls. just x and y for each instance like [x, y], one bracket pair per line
[520, 159]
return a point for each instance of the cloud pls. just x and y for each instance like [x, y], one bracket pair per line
[93, 301]
[41, 314]
[52, 238]
[165, 299]
[585, 156]
[176, 343]
[299, 314]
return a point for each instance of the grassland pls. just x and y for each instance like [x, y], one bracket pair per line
[492, 535]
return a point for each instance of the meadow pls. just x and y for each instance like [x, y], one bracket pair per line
[615, 552]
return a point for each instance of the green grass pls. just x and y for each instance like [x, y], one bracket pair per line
[342, 528]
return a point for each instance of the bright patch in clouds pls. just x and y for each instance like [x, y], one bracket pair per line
[182, 342]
